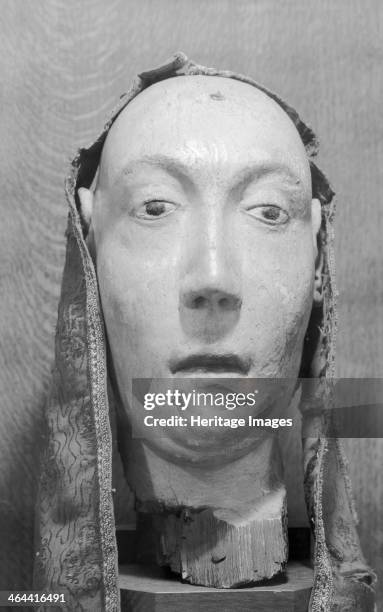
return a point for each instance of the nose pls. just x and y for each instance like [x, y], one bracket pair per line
[210, 295]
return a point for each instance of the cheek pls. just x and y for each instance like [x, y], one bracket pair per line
[137, 296]
[278, 300]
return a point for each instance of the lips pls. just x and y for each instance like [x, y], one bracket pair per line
[210, 363]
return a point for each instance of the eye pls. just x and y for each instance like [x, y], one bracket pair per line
[155, 209]
[269, 213]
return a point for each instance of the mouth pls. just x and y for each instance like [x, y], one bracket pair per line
[209, 364]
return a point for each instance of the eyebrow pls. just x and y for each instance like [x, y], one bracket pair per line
[174, 166]
[245, 175]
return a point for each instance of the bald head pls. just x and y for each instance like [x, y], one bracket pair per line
[208, 122]
[212, 131]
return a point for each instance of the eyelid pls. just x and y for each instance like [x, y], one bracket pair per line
[260, 204]
[150, 200]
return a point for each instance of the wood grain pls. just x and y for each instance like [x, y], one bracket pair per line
[151, 590]
[63, 64]
[217, 551]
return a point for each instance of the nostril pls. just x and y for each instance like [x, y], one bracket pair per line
[224, 303]
[229, 303]
[212, 300]
[199, 302]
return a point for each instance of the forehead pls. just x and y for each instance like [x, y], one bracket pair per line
[207, 120]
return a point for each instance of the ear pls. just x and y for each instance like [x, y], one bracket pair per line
[86, 198]
[316, 220]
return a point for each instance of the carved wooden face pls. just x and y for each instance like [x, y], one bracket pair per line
[204, 230]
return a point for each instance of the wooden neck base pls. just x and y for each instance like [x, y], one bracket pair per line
[216, 549]
[223, 527]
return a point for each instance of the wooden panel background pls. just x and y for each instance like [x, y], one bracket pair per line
[63, 63]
